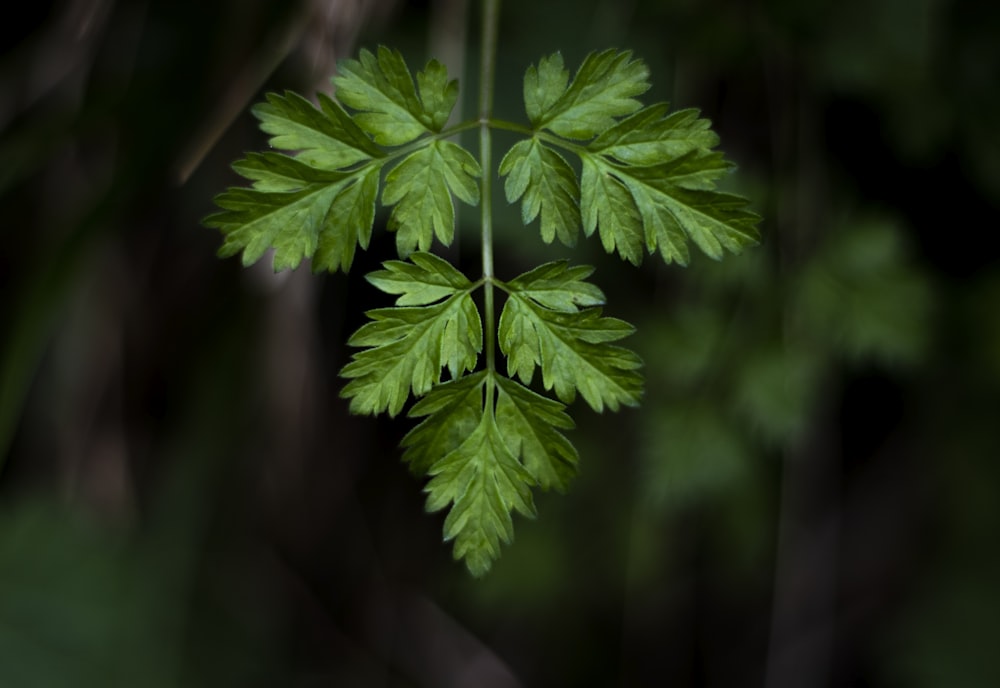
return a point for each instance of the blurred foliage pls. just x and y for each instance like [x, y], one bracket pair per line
[185, 500]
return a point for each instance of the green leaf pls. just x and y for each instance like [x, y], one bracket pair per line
[573, 350]
[651, 136]
[275, 172]
[607, 204]
[298, 211]
[484, 462]
[674, 203]
[530, 425]
[557, 286]
[546, 184]
[484, 482]
[451, 411]
[714, 220]
[648, 175]
[423, 279]
[603, 89]
[389, 108]
[409, 346]
[326, 138]
[437, 93]
[544, 86]
[308, 206]
[348, 224]
[420, 188]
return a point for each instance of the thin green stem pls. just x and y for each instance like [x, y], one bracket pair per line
[487, 66]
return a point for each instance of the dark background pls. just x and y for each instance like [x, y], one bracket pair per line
[807, 497]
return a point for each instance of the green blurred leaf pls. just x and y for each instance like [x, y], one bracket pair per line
[865, 297]
[775, 391]
[689, 453]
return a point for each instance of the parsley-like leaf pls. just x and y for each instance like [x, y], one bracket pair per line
[652, 136]
[548, 186]
[572, 348]
[320, 204]
[648, 175]
[326, 138]
[380, 87]
[420, 189]
[558, 286]
[603, 89]
[607, 204]
[714, 220]
[530, 425]
[409, 346]
[451, 411]
[296, 210]
[483, 481]
[648, 181]
[423, 279]
[483, 458]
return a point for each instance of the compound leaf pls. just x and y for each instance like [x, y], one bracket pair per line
[450, 412]
[483, 481]
[274, 172]
[573, 350]
[380, 87]
[420, 188]
[530, 425]
[558, 286]
[348, 223]
[437, 94]
[652, 136]
[715, 221]
[421, 280]
[607, 204]
[326, 138]
[648, 176]
[546, 184]
[603, 89]
[409, 346]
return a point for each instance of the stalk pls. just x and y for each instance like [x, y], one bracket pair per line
[487, 65]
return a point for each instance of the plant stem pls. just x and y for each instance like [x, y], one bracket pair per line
[487, 64]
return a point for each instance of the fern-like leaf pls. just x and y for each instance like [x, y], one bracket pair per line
[379, 86]
[483, 458]
[408, 346]
[603, 89]
[548, 186]
[572, 347]
[421, 188]
[648, 175]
